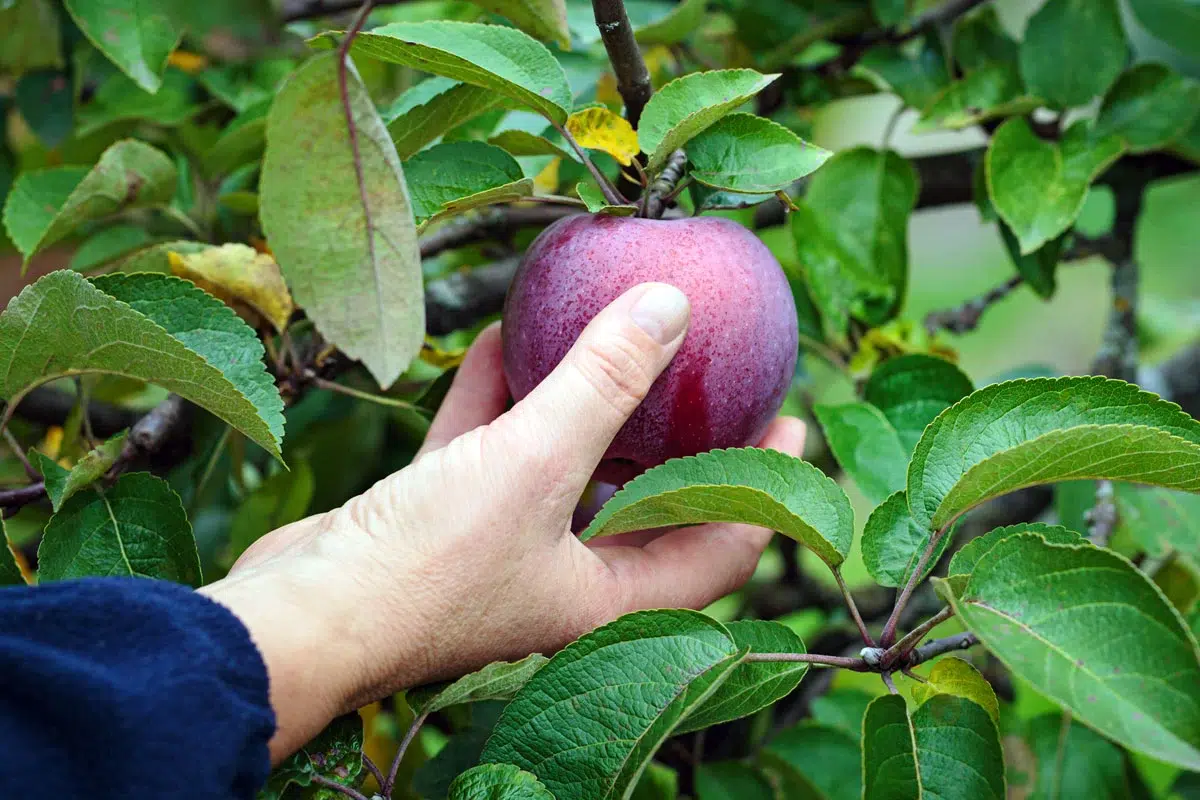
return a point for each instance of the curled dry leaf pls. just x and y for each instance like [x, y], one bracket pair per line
[247, 280]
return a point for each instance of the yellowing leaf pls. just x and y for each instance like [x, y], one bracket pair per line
[601, 129]
[435, 356]
[191, 63]
[546, 181]
[957, 677]
[240, 276]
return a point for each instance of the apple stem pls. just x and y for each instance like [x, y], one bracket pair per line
[611, 195]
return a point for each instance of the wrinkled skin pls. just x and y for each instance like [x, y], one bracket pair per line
[731, 374]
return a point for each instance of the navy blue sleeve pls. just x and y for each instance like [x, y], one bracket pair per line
[128, 688]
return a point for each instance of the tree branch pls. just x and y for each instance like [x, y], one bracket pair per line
[633, 79]
[495, 223]
[959, 641]
[47, 406]
[857, 664]
[661, 191]
[966, 317]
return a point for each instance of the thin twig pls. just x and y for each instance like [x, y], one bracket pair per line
[966, 317]
[13, 500]
[845, 662]
[850, 604]
[373, 768]
[390, 783]
[959, 641]
[889, 629]
[330, 783]
[15, 446]
[611, 195]
[633, 78]
[888, 682]
[209, 468]
[914, 636]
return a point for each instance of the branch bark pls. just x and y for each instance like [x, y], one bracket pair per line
[633, 78]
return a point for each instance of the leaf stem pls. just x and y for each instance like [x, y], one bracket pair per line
[390, 783]
[611, 195]
[373, 768]
[853, 607]
[888, 682]
[333, 785]
[889, 629]
[378, 399]
[845, 662]
[913, 638]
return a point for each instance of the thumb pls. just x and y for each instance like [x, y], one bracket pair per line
[583, 403]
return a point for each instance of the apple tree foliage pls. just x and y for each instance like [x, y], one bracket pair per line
[274, 238]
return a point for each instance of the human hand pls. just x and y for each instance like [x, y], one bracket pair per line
[466, 555]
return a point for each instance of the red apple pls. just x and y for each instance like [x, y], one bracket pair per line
[730, 376]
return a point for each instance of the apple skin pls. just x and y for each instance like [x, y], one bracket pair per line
[729, 377]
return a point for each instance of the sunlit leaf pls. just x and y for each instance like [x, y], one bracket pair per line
[238, 274]
[598, 128]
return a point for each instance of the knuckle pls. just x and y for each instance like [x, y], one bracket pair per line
[616, 369]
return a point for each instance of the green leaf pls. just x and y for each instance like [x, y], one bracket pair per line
[242, 142]
[755, 685]
[155, 257]
[867, 447]
[596, 203]
[47, 205]
[494, 57]
[813, 760]
[990, 91]
[1174, 21]
[336, 754]
[759, 487]
[497, 681]
[523, 143]
[731, 780]
[62, 483]
[892, 543]
[29, 36]
[658, 782]
[852, 235]
[150, 327]
[120, 99]
[354, 268]
[1073, 50]
[707, 198]
[433, 778]
[915, 72]
[1038, 187]
[1094, 427]
[1149, 107]
[10, 573]
[655, 666]
[1075, 761]
[451, 171]
[135, 527]
[280, 500]
[957, 677]
[543, 19]
[107, 246]
[963, 562]
[498, 782]
[1130, 673]
[432, 107]
[686, 106]
[1160, 520]
[679, 21]
[911, 390]
[135, 36]
[745, 153]
[979, 39]
[47, 103]
[843, 709]
[949, 748]
[1038, 268]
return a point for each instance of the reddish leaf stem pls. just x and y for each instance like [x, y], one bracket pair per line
[390, 783]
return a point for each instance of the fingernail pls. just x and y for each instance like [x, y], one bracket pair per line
[661, 312]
